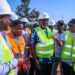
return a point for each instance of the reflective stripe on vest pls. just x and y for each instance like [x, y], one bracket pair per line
[66, 52]
[45, 47]
[17, 49]
[5, 55]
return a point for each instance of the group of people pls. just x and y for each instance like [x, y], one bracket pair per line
[40, 50]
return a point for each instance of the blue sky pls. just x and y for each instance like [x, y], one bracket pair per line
[55, 8]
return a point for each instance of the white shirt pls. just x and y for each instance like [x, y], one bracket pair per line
[58, 49]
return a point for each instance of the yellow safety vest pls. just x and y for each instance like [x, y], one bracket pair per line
[67, 48]
[5, 55]
[54, 31]
[44, 48]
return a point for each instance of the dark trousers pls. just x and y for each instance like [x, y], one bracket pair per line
[22, 72]
[45, 69]
[68, 70]
[55, 65]
[32, 68]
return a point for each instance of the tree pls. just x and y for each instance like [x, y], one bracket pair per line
[23, 10]
[34, 14]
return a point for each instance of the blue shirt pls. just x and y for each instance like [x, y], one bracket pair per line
[34, 39]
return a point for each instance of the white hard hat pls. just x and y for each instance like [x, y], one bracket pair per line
[14, 16]
[51, 23]
[5, 8]
[24, 20]
[43, 16]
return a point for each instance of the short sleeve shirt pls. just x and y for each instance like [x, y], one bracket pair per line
[57, 48]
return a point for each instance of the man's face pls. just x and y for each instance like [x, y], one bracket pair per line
[43, 22]
[60, 28]
[72, 29]
[4, 22]
[18, 29]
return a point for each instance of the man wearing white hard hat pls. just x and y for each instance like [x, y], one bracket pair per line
[42, 46]
[26, 33]
[7, 65]
[26, 30]
[51, 26]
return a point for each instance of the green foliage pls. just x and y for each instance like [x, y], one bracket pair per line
[23, 10]
[30, 26]
[34, 15]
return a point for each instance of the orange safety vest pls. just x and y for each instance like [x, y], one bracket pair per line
[29, 31]
[8, 30]
[17, 49]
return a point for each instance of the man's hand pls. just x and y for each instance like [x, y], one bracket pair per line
[54, 37]
[20, 60]
[59, 42]
[37, 65]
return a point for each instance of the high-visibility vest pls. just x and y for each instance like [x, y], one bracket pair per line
[54, 31]
[17, 49]
[8, 30]
[29, 31]
[44, 48]
[66, 52]
[74, 67]
[26, 33]
[5, 55]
